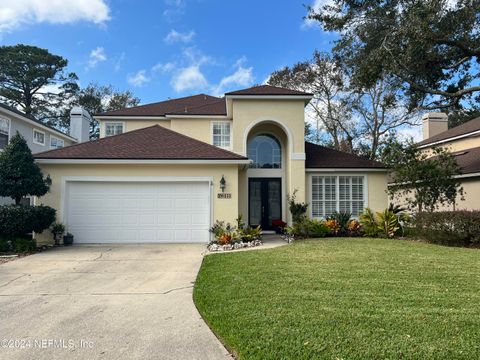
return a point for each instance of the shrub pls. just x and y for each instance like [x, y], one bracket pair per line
[225, 233]
[318, 229]
[17, 244]
[354, 228]
[298, 210]
[21, 220]
[387, 223]
[342, 218]
[332, 226]
[449, 227]
[369, 223]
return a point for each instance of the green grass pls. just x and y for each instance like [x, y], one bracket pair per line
[344, 299]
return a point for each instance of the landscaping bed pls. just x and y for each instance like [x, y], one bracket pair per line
[344, 298]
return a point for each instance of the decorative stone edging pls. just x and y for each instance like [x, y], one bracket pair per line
[235, 246]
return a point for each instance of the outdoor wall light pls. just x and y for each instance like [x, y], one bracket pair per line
[223, 184]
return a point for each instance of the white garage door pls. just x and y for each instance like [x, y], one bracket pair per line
[128, 212]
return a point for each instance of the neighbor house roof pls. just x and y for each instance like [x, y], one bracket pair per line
[318, 156]
[32, 118]
[151, 143]
[268, 90]
[468, 160]
[464, 129]
[201, 104]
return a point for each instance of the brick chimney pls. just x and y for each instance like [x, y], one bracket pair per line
[80, 124]
[433, 124]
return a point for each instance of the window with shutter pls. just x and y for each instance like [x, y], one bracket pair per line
[337, 193]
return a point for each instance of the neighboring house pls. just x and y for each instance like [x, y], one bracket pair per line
[463, 141]
[164, 172]
[39, 136]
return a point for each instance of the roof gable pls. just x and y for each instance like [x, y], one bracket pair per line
[151, 143]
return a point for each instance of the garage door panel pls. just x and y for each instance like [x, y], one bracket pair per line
[116, 212]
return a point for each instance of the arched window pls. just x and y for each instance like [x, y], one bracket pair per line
[265, 151]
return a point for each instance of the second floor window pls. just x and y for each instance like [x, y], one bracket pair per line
[265, 151]
[221, 134]
[38, 137]
[56, 143]
[113, 128]
[4, 129]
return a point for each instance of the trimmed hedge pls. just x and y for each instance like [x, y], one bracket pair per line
[449, 227]
[18, 220]
[17, 244]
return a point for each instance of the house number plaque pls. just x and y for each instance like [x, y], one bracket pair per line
[224, 195]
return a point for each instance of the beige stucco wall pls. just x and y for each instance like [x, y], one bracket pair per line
[223, 209]
[376, 185]
[461, 144]
[200, 129]
[471, 201]
[130, 125]
[286, 119]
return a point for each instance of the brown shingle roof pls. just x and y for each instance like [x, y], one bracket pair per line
[268, 90]
[187, 105]
[468, 160]
[318, 156]
[151, 143]
[468, 127]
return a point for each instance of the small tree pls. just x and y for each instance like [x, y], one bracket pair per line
[20, 176]
[424, 179]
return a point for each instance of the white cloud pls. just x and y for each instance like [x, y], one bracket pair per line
[164, 67]
[119, 61]
[316, 6]
[97, 55]
[241, 77]
[175, 8]
[175, 36]
[410, 132]
[139, 79]
[189, 78]
[15, 13]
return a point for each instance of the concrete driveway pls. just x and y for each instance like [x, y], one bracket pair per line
[104, 302]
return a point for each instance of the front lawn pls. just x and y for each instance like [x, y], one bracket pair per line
[344, 299]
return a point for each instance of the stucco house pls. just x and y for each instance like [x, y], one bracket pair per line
[39, 136]
[463, 142]
[164, 172]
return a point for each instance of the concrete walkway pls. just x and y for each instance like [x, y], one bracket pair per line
[104, 302]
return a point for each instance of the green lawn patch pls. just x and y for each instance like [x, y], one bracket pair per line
[344, 298]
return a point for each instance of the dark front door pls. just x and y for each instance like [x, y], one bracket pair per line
[264, 201]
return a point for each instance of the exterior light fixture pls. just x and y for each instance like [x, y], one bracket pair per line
[223, 184]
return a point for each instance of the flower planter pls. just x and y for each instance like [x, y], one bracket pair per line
[68, 239]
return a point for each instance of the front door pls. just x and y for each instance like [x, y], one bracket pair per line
[264, 201]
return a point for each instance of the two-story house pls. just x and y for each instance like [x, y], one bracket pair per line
[39, 136]
[164, 172]
[463, 142]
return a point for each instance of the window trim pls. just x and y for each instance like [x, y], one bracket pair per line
[44, 137]
[212, 124]
[9, 132]
[113, 123]
[337, 189]
[58, 139]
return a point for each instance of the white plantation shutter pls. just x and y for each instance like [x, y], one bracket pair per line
[337, 193]
[358, 202]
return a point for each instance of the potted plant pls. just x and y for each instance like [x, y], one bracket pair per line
[68, 239]
[58, 229]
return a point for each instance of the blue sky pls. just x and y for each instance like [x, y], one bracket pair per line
[167, 48]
